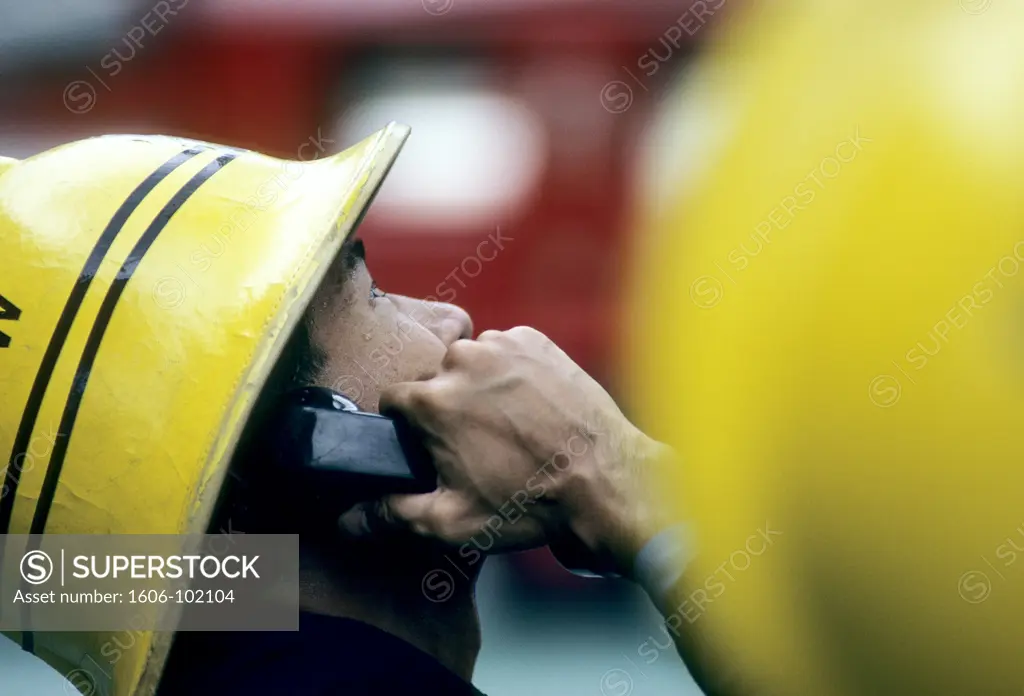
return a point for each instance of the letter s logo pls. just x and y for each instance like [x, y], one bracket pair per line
[36, 567]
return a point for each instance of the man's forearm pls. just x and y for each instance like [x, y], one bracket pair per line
[661, 557]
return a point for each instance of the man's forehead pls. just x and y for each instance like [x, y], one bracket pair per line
[351, 254]
[333, 287]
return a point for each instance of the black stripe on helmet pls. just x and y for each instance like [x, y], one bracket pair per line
[92, 347]
[30, 414]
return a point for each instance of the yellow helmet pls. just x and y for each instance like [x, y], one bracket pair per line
[831, 333]
[148, 286]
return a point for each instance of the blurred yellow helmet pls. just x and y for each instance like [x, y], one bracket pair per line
[147, 287]
[832, 327]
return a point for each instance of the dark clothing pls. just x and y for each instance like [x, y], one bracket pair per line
[328, 656]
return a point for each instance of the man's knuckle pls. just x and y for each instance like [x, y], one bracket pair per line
[527, 335]
[421, 528]
[401, 398]
[422, 398]
[459, 353]
[490, 335]
[397, 394]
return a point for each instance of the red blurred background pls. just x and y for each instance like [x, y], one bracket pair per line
[527, 121]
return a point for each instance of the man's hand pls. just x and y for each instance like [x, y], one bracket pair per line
[525, 439]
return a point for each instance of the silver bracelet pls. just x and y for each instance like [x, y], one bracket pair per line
[663, 560]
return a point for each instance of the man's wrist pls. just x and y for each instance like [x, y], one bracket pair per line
[613, 507]
[652, 515]
[661, 563]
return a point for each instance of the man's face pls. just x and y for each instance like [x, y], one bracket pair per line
[367, 340]
[372, 339]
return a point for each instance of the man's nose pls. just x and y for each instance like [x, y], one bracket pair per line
[446, 321]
